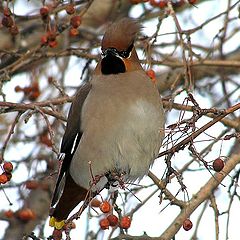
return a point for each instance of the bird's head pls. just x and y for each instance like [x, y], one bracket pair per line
[118, 52]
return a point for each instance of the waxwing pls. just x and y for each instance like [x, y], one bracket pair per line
[115, 126]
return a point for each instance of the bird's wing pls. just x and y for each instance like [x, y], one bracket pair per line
[71, 138]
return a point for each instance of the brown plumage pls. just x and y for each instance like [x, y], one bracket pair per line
[115, 124]
[121, 35]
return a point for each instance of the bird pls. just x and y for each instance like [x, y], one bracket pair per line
[115, 125]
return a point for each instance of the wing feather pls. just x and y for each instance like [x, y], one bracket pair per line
[71, 138]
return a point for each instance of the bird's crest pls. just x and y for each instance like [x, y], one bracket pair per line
[121, 34]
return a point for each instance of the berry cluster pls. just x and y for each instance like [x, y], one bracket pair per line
[163, 3]
[25, 214]
[32, 92]
[110, 219]
[8, 22]
[7, 172]
[50, 38]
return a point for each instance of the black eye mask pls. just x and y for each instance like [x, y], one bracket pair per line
[114, 51]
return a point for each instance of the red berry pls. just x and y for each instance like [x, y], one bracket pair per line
[8, 175]
[44, 40]
[187, 224]
[8, 167]
[44, 139]
[51, 35]
[153, 3]
[3, 178]
[75, 21]
[7, 12]
[192, 1]
[151, 73]
[44, 11]
[7, 21]
[70, 9]
[105, 207]
[52, 44]
[218, 164]
[113, 220]
[26, 214]
[125, 222]
[57, 234]
[104, 224]
[162, 4]
[8, 214]
[73, 32]
[31, 184]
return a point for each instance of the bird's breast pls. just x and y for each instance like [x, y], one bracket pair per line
[121, 131]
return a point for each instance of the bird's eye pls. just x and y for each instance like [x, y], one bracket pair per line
[124, 54]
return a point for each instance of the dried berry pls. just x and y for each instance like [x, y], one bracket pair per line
[18, 89]
[95, 203]
[218, 164]
[187, 224]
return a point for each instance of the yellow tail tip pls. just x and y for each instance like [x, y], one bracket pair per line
[56, 224]
[52, 221]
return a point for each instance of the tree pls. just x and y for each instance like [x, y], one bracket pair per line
[192, 56]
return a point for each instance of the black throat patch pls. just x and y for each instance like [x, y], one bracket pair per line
[112, 64]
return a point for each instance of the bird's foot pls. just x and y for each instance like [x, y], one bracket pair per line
[53, 222]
